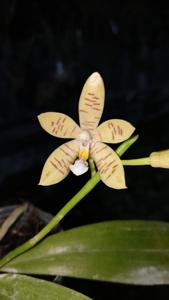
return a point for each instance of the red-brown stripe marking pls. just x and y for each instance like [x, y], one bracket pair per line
[66, 153]
[110, 163]
[58, 120]
[95, 108]
[84, 111]
[108, 166]
[89, 100]
[65, 132]
[109, 154]
[88, 128]
[114, 128]
[100, 160]
[120, 131]
[64, 119]
[100, 150]
[110, 174]
[56, 131]
[61, 128]
[56, 167]
[102, 169]
[64, 164]
[96, 103]
[88, 104]
[58, 161]
[67, 146]
[74, 128]
[100, 136]
[99, 164]
[88, 123]
[91, 122]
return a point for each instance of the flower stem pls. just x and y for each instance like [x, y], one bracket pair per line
[54, 222]
[126, 145]
[136, 162]
[64, 211]
[92, 167]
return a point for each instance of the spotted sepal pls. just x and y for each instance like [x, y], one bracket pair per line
[57, 166]
[59, 125]
[109, 165]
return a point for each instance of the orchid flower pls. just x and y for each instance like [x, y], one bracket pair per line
[88, 139]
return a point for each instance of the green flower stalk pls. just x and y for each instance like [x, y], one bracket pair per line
[159, 159]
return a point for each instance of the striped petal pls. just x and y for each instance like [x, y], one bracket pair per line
[91, 102]
[114, 131]
[57, 165]
[109, 165]
[59, 125]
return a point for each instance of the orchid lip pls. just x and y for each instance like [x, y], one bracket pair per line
[79, 167]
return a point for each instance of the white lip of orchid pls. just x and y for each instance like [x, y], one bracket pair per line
[80, 167]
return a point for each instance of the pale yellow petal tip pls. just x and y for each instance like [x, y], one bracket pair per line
[117, 185]
[121, 187]
[41, 183]
[132, 128]
[45, 182]
[40, 115]
[95, 77]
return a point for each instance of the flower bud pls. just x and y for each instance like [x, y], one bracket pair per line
[160, 159]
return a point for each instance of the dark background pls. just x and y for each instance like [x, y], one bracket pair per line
[47, 51]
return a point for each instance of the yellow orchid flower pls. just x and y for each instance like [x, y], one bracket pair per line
[88, 140]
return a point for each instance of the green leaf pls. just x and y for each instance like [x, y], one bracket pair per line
[119, 251]
[21, 287]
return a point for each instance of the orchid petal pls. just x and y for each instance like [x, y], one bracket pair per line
[114, 131]
[57, 166]
[59, 125]
[91, 102]
[109, 165]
